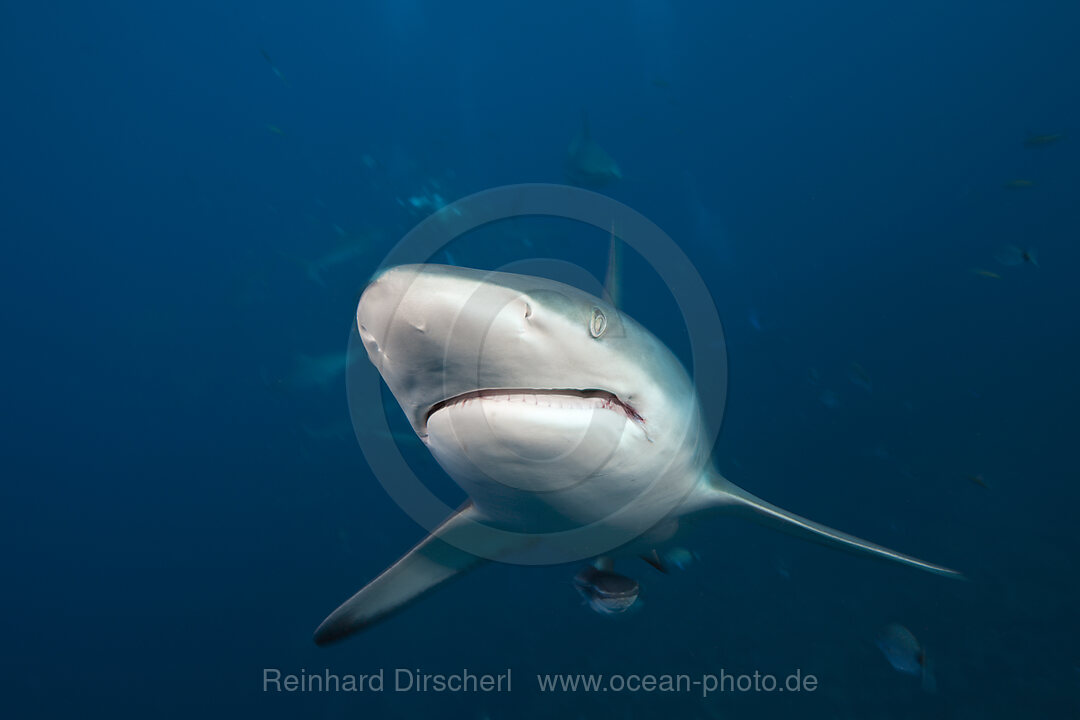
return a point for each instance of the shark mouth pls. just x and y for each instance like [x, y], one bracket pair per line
[564, 398]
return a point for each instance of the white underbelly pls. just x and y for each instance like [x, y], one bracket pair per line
[552, 463]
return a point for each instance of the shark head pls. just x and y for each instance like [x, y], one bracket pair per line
[544, 403]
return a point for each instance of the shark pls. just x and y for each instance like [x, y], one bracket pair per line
[574, 431]
[318, 371]
[587, 164]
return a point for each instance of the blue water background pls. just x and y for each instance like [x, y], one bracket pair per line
[179, 512]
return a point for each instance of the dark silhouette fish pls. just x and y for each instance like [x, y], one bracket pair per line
[1012, 256]
[270, 62]
[587, 164]
[1043, 140]
[906, 654]
[606, 592]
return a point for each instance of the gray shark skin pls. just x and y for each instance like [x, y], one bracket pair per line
[555, 413]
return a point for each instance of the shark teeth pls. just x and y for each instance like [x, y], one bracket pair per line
[565, 399]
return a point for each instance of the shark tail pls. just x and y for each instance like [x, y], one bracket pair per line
[721, 493]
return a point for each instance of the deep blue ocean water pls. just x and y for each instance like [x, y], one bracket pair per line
[182, 503]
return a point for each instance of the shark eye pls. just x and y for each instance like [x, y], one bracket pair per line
[598, 323]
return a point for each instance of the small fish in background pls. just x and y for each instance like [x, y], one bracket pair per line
[318, 371]
[266, 56]
[679, 557]
[978, 480]
[431, 199]
[271, 379]
[906, 655]
[587, 164]
[813, 377]
[858, 376]
[782, 569]
[1012, 256]
[349, 250]
[880, 452]
[1034, 141]
[424, 203]
[275, 130]
[1018, 184]
[985, 273]
[659, 82]
[754, 320]
[316, 269]
[606, 592]
[368, 161]
[829, 399]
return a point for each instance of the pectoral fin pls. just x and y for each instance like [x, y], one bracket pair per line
[431, 563]
[718, 492]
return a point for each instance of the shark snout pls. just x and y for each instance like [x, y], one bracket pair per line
[416, 306]
[371, 316]
[381, 305]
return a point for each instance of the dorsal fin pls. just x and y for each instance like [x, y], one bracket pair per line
[613, 277]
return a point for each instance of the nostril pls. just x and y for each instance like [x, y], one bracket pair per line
[369, 340]
[528, 311]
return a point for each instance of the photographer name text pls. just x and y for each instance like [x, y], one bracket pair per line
[383, 680]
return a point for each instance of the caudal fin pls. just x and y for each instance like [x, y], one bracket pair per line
[722, 493]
